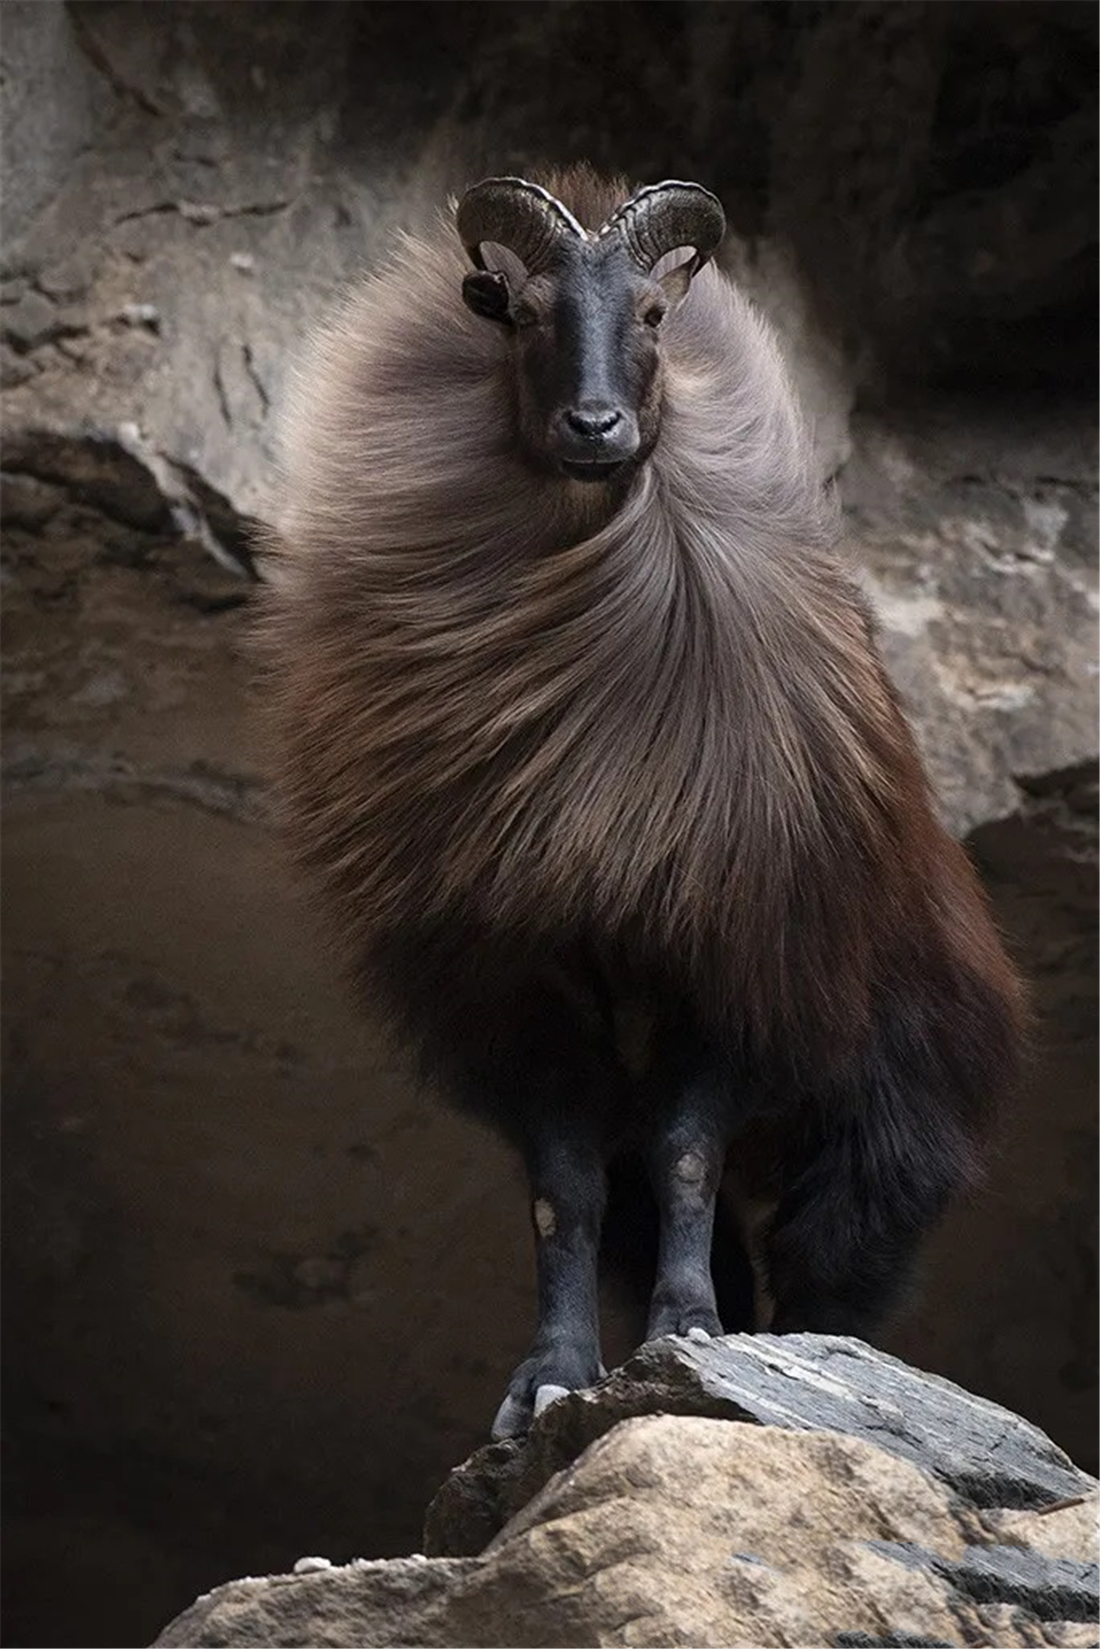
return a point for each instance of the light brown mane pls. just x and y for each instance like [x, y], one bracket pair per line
[499, 694]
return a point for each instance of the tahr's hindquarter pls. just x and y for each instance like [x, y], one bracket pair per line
[587, 746]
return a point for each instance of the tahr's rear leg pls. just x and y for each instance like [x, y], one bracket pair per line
[859, 1197]
[568, 1181]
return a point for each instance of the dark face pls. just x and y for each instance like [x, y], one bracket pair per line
[585, 345]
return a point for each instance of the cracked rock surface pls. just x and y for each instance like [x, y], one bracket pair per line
[799, 1381]
[750, 1491]
[260, 1291]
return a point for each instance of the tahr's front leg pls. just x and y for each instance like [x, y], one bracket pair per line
[686, 1155]
[569, 1189]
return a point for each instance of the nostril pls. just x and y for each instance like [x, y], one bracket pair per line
[593, 423]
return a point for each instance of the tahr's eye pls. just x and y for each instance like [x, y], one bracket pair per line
[654, 315]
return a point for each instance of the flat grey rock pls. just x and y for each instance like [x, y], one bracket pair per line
[1053, 1588]
[804, 1382]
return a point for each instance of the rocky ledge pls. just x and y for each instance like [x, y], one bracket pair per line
[745, 1491]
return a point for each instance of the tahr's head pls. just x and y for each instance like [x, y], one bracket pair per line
[585, 312]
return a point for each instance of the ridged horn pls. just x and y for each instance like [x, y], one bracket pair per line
[667, 215]
[522, 216]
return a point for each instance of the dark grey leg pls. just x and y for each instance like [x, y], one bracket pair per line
[568, 1189]
[686, 1155]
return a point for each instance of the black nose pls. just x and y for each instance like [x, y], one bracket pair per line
[593, 423]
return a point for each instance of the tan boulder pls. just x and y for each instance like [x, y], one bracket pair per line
[684, 1530]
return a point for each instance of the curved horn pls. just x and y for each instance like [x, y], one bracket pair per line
[522, 216]
[666, 215]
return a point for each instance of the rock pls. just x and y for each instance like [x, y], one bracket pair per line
[14, 369]
[1066, 1529]
[480, 1495]
[28, 502]
[1057, 1588]
[992, 1457]
[69, 279]
[400, 1601]
[979, 551]
[51, 108]
[685, 1530]
[34, 320]
[140, 314]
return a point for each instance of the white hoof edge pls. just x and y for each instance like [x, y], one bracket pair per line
[546, 1395]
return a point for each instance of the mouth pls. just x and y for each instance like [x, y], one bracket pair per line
[578, 470]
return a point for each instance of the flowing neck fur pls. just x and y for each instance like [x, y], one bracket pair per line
[578, 703]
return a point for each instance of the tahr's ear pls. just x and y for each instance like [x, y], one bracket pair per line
[675, 284]
[485, 292]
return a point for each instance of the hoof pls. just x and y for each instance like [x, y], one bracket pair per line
[538, 1382]
[693, 1322]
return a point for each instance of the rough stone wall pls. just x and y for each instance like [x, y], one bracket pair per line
[260, 1293]
[51, 103]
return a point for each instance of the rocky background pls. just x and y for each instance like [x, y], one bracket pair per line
[260, 1294]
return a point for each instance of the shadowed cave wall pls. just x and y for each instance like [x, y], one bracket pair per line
[260, 1293]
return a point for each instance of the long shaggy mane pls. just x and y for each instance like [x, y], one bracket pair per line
[651, 723]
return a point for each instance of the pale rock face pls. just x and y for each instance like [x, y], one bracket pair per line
[692, 1531]
[978, 551]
